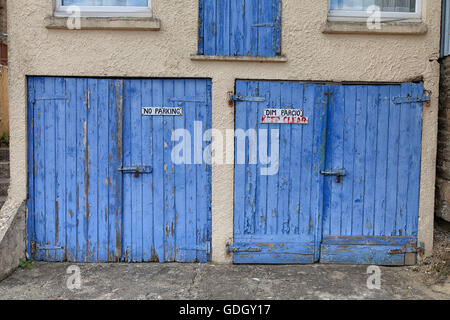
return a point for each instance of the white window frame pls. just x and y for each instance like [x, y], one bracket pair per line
[358, 16]
[104, 11]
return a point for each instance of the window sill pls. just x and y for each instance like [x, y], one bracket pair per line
[279, 59]
[88, 23]
[347, 27]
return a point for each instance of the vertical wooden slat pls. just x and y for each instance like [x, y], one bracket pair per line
[284, 185]
[102, 167]
[251, 159]
[180, 178]
[203, 184]
[415, 125]
[115, 153]
[272, 180]
[237, 28]
[92, 172]
[261, 188]
[82, 174]
[158, 174]
[348, 163]
[60, 161]
[381, 161]
[147, 150]
[191, 177]
[360, 159]
[169, 179]
[370, 160]
[296, 147]
[71, 171]
[306, 215]
[135, 95]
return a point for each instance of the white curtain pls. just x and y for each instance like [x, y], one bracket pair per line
[385, 5]
[131, 3]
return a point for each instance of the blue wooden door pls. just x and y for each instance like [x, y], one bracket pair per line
[347, 186]
[374, 135]
[277, 214]
[86, 202]
[74, 150]
[167, 207]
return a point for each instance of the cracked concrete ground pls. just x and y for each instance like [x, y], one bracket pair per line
[209, 281]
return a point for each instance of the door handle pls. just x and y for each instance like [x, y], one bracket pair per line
[337, 173]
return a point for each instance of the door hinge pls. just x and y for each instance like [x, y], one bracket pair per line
[233, 249]
[34, 247]
[49, 99]
[206, 247]
[233, 98]
[409, 99]
[198, 99]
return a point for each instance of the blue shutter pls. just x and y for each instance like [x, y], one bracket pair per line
[445, 43]
[240, 27]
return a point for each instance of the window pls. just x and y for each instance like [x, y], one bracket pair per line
[103, 8]
[360, 10]
[240, 28]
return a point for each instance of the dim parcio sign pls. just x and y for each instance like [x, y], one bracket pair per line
[162, 111]
[284, 116]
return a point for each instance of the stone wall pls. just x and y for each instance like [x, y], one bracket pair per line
[3, 28]
[12, 242]
[443, 159]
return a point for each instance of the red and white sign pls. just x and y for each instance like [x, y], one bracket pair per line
[284, 116]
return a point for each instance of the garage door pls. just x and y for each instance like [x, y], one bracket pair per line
[346, 189]
[102, 184]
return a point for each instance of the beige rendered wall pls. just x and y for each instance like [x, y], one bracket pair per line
[311, 54]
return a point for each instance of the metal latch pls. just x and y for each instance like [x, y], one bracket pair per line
[337, 173]
[137, 170]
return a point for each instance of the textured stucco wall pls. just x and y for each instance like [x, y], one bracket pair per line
[312, 55]
[443, 159]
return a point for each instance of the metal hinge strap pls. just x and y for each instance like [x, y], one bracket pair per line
[403, 100]
[239, 249]
[248, 98]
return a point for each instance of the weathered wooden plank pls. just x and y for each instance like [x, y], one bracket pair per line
[103, 169]
[403, 163]
[360, 254]
[284, 185]
[92, 171]
[392, 164]
[169, 179]
[261, 188]
[370, 173]
[203, 177]
[415, 125]
[147, 152]
[296, 147]
[348, 162]
[135, 94]
[60, 169]
[158, 174]
[82, 167]
[360, 160]
[251, 160]
[71, 169]
[381, 160]
[237, 27]
[115, 132]
[191, 178]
